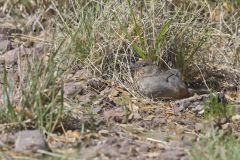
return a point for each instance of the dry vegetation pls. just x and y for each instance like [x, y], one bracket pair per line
[89, 46]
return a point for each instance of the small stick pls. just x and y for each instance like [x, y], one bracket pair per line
[50, 153]
[156, 140]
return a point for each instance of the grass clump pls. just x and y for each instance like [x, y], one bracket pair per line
[218, 140]
[38, 97]
[215, 147]
[215, 109]
[7, 112]
[144, 49]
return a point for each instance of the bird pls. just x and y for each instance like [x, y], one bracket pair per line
[153, 82]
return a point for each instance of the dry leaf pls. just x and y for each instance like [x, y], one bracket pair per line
[228, 7]
[114, 93]
[134, 109]
[72, 134]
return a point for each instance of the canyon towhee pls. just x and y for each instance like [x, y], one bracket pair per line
[154, 83]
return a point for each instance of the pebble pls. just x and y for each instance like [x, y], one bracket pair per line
[30, 141]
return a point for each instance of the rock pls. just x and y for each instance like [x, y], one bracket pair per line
[30, 141]
[72, 89]
[11, 57]
[194, 103]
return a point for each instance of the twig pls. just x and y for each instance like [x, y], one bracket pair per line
[158, 141]
[50, 153]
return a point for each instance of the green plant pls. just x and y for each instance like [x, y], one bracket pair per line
[215, 146]
[78, 28]
[41, 95]
[7, 113]
[216, 110]
[170, 42]
[233, 1]
[138, 38]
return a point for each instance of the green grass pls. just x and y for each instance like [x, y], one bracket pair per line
[217, 142]
[7, 112]
[216, 111]
[216, 147]
[41, 95]
[150, 38]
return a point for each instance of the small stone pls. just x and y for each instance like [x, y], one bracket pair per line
[30, 141]
[72, 89]
[11, 57]
[186, 104]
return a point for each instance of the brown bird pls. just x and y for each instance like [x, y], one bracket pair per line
[154, 83]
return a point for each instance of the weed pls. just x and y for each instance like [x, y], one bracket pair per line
[216, 110]
[216, 147]
[41, 95]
